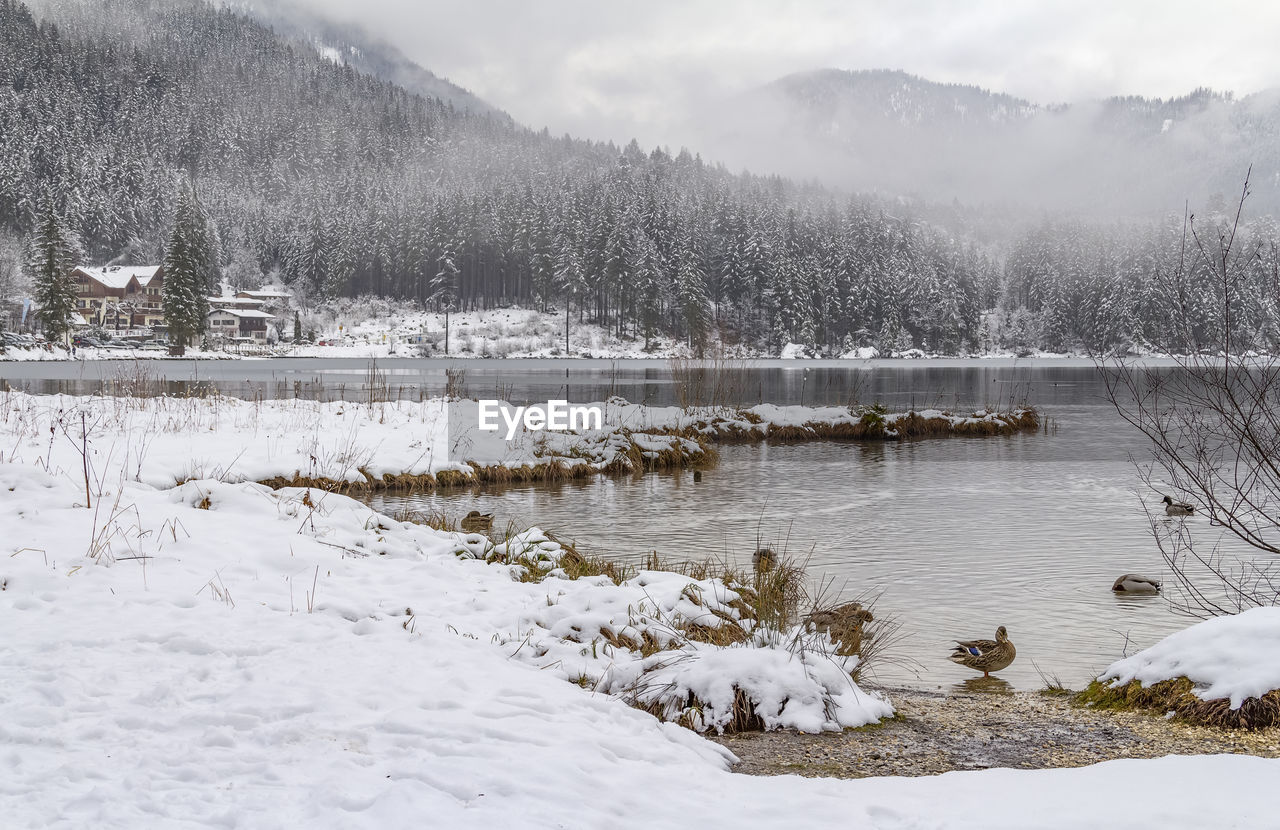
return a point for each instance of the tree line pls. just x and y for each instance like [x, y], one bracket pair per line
[340, 184]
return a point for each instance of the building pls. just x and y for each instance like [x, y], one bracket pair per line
[266, 294]
[123, 298]
[239, 324]
[228, 301]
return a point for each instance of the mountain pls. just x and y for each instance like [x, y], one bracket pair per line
[342, 183]
[899, 134]
[363, 51]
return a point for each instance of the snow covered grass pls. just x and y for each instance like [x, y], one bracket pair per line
[220, 654]
[348, 445]
[110, 449]
[1224, 671]
[245, 543]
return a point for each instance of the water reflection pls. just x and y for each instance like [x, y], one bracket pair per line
[984, 686]
[904, 384]
[959, 535]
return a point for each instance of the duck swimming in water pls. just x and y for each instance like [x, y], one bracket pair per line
[1177, 508]
[1136, 584]
[477, 522]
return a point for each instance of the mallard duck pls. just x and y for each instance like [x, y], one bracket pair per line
[1177, 508]
[985, 656]
[477, 522]
[1136, 584]
[845, 624]
[764, 560]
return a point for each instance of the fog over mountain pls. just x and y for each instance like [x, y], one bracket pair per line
[1110, 115]
[355, 45]
[883, 131]
[892, 132]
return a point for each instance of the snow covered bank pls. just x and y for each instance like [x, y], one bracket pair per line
[378, 328]
[226, 655]
[91, 353]
[222, 654]
[294, 550]
[163, 440]
[1224, 670]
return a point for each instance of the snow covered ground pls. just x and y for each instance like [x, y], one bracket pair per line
[221, 654]
[373, 328]
[505, 332]
[162, 441]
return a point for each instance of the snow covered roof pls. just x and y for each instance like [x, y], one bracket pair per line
[118, 276]
[224, 300]
[244, 312]
[265, 293]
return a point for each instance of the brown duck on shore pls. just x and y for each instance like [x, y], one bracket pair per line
[985, 656]
[477, 522]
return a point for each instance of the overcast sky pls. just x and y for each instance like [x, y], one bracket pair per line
[611, 69]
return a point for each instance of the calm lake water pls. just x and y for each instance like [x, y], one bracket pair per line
[958, 536]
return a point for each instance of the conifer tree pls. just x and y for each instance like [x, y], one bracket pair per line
[52, 255]
[190, 268]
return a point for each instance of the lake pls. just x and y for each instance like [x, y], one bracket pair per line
[956, 536]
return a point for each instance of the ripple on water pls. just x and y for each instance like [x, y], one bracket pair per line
[959, 536]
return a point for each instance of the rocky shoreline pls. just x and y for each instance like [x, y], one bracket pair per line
[936, 732]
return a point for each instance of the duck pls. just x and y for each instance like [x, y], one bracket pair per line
[985, 656]
[845, 624]
[1177, 508]
[764, 560]
[1136, 584]
[477, 522]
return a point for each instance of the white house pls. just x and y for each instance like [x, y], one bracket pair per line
[239, 323]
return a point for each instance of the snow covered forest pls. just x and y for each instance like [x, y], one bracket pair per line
[342, 184]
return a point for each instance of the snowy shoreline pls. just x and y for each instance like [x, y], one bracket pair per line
[163, 441]
[523, 334]
[219, 652]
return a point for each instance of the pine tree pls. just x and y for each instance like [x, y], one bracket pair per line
[51, 257]
[297, 328]
[691, 297]
[190, 267]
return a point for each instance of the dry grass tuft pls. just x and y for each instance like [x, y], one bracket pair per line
[1178, 696]
[744, 717]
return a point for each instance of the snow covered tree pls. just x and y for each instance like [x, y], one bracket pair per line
[190, 270]
[691, 298]
[13, 282]
[51, 256]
